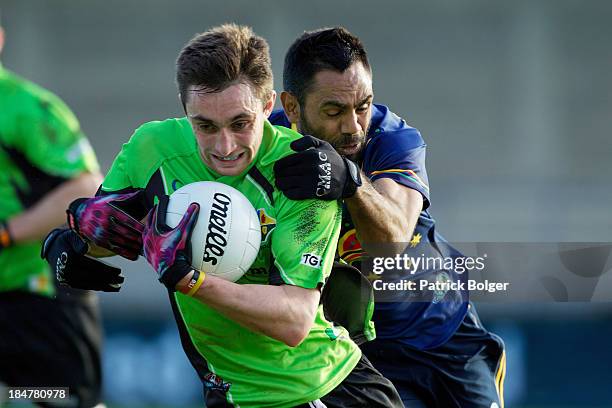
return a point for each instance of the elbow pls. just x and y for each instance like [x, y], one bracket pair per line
[302, 305]
[294, 336]
[295, 332]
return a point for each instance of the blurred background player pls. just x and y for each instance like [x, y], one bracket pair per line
[437, 353]
[49, 336]
[262, 341]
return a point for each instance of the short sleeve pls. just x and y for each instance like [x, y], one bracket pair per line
[117, 178]
[304, 241]
[400, 156]
[51, 139]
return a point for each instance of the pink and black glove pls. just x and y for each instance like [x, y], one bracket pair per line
[167, 249]
[108, 222]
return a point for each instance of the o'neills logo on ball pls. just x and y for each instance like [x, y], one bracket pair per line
[216, 239]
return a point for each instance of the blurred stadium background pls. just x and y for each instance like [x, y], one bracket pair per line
[513, 98]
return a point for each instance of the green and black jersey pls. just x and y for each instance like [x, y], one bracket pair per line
[298, 245]
[41, 146]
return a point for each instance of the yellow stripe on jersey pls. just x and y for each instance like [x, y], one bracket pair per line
[500, 376]
[403, 172]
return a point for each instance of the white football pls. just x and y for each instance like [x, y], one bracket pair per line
[226, 237]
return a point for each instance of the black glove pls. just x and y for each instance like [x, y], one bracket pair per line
[316, 171]
[65, 251]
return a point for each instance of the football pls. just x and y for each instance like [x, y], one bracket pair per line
[226, 237]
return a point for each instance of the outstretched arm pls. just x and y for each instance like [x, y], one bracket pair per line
[49, 212]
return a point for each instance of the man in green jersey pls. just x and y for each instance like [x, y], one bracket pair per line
[48, 337]
[262, 341]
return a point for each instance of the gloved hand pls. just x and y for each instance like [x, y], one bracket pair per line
[316, 171]
[6, 240]
[65, 251]
[108, 222]
[167, 249]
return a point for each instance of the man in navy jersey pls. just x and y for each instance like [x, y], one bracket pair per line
[435, 351]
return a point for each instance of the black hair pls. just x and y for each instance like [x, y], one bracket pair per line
[314, 51]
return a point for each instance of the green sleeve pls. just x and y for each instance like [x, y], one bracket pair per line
[52, 140]
[118, 177]
[304, 241]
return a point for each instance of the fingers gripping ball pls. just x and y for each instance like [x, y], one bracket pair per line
[227, 235]
[108, 221]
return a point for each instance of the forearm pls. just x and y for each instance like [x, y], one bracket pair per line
[50, 211]
[377, 218]
[284, 313]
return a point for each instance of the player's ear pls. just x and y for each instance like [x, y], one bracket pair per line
[290, 106]
[269, 103]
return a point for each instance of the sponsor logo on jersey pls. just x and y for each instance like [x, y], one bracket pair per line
[335, 333]
[349, 247]
[39, 283]
[176, 184]
[214, 382]
[266, 223]
[312, 260]
[216, 239]
[78, 150]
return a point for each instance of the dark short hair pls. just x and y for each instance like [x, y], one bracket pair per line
[223, 56]
[314, 51]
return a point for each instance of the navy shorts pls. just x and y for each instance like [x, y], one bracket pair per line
[466, 372]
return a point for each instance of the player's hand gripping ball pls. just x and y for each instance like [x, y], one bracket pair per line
[110, 221]
[227, 235]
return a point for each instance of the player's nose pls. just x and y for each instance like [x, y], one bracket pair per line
[350, 124]
[225, 143]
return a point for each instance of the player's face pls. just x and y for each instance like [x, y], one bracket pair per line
[338, 108]
[228, 126]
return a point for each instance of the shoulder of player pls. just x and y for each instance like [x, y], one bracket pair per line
[32, 99]
[278, 117]
[277, 147]
[389, 130]
[169, 137]
[278, 144]
[152, 144]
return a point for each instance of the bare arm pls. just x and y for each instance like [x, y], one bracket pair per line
[384, 211]
[285, 313]
[50, 211]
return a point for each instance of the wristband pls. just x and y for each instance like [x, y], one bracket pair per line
[5, 235]
[195, 282]
[354, 175]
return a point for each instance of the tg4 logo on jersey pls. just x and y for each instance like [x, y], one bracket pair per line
[312, 260]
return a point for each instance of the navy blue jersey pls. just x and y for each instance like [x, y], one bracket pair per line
[397, 151]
